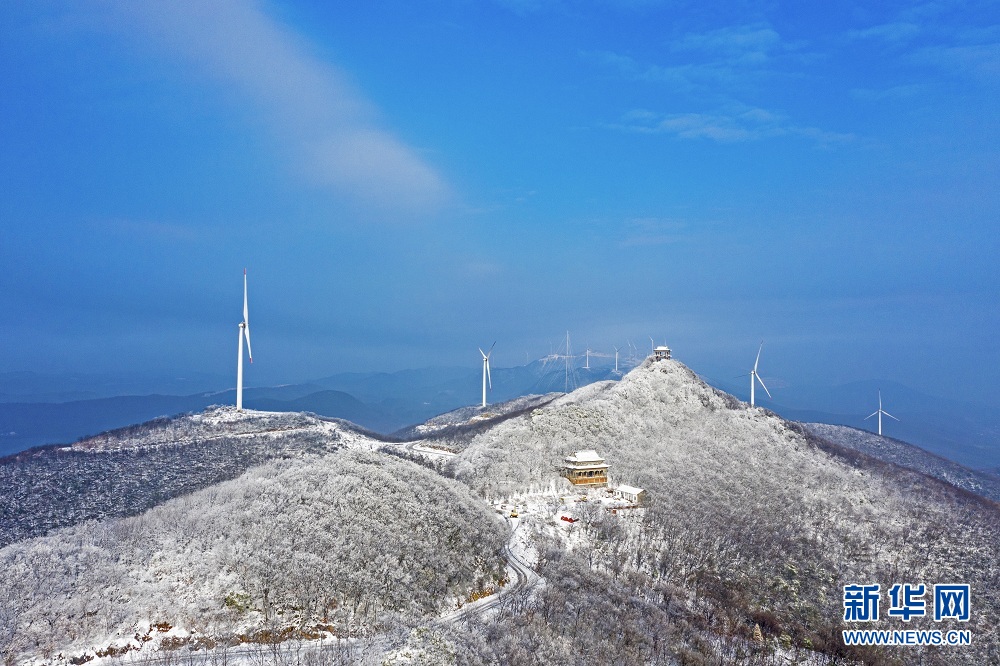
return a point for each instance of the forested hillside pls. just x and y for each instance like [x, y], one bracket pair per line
[900, 453]
[126, 471]
[750, 521]
[344, 543]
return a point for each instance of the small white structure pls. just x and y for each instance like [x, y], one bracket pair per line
[585, 468]
[661, 353]
[630, 494]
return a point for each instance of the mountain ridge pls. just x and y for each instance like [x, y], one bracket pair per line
[750, 520]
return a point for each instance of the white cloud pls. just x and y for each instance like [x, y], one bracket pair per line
[733, 124]
[970, 60]
[327, 127]
[900, 31]
[743, 43]
[936, 35]
[714, 61]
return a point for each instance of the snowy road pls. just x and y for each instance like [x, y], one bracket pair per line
[526, 579]
[417, 447]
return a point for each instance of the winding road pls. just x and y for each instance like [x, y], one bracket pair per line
[526, 579]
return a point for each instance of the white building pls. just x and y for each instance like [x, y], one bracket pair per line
[630, 494]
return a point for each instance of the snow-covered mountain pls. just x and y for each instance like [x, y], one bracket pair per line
[126, 471]
[750, 515]
[325, 537]
[464, 420]
[903, 454]
[751, 528]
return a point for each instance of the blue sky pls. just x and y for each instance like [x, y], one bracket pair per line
[408, 181]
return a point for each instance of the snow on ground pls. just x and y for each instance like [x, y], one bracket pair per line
[901, 453]
[475, 414]
[220, 422]
[431, 450]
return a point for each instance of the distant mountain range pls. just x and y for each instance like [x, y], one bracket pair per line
[380, 401]
[35, 409]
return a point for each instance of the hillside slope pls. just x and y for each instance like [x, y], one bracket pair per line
[749, 518]
[904, 454]
[341, 543]
[126, 471]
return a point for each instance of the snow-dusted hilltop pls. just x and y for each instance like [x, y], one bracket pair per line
[218, 423]
[747, 512]
[331, 544]
[461, 423]
[125, 471]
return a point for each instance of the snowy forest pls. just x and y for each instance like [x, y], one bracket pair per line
[256, 538]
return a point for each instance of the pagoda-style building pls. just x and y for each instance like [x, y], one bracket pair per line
[585, 468]
[661, 353]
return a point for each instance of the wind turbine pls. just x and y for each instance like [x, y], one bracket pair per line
[616, 360]
[244, 332]
[486, 370]
[880, 412]
[755, 376]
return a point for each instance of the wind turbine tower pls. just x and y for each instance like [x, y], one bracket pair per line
[754, 377]
[569, 355]
[244, 333]
[486, 370]
[880, 412]
[616, 361]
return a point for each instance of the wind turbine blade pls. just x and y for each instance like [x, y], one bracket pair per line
[889, 415]
[488, 378]
[246, 333]
[482, 352]
[759, 350]
[870, 415]
[491, 349]
[762, 386]
[246, 312]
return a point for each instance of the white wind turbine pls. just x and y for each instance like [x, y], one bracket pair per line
[755, 376]
[244, 332]
[880, 412]
[616, 360]
[486, 370]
